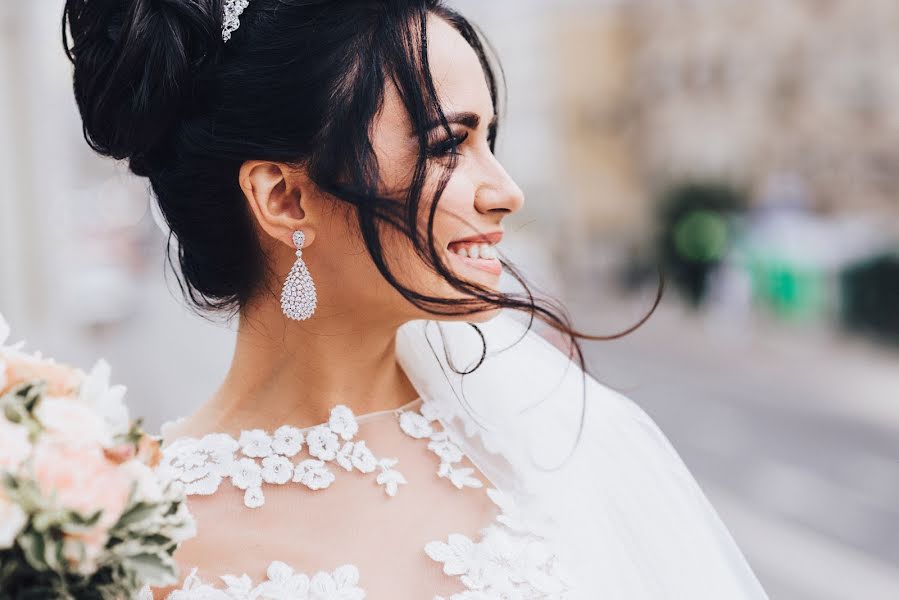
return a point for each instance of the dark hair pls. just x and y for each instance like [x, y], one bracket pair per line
[299, 82]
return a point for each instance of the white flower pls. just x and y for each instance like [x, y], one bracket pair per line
[194, 589]
[459, 477]
[443, 447]
[389, 477]
[457, 554]
[515, 518]
[500, 565]
[506, 559]
[357, 454]
[313, 474]
[199, 464]
[255, 443]
[238, 587]
[12, 519]
[363, 459]
[287, 440]
[343, 422]
[415, 425]
[253, 498]
[276, 469]
[72, 420]
[282, 582]
[105, 400]
[14, 444]
[344, 456]
[341, 585]
[245, 473]
[322, 443]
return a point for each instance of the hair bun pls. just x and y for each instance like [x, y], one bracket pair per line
[135, 69]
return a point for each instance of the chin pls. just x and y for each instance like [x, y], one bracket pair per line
[485, 316]
[481, 316]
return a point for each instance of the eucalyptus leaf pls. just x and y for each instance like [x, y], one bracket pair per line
[32, 544]
[152, 568]
[136, 513]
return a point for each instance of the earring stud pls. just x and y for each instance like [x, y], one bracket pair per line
[298, 297]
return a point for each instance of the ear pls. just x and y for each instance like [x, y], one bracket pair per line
[279, 197]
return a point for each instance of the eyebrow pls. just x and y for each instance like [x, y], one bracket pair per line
[468, 119]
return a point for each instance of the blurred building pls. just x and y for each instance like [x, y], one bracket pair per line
[656, 92]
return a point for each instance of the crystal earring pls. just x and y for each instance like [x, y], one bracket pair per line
[298, 298]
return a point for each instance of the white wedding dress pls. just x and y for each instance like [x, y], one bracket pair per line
[466, 493]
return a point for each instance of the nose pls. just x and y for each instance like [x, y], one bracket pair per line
[499, 194]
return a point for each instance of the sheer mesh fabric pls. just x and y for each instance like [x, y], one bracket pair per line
[622, 518]
[351, 521]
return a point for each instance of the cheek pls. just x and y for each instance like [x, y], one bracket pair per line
[455, 209]
[452, 219]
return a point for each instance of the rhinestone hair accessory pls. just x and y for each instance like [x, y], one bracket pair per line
[298, 298]
[230, 22]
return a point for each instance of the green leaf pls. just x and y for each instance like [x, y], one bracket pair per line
[152, 568]
[135, 514]
[32, 544]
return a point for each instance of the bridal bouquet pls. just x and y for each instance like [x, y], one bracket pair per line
[82, 514]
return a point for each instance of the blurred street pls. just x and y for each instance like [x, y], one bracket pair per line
[804, 472]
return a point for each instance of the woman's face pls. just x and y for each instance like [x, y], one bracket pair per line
[479, 194]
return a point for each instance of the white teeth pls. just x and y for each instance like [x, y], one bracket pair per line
[485, 251]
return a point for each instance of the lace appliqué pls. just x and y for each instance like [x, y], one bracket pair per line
[259, 457]
[282, 584]
[511, 560]
[418, 424]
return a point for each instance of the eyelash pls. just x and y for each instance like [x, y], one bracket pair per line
[448, 146]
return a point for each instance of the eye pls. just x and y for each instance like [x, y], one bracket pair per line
[447, 146]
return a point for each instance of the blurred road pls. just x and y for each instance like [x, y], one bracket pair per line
[794, 436]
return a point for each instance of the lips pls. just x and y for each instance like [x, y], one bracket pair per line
[477, 251]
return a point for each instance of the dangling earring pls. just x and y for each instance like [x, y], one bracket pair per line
[298, 298]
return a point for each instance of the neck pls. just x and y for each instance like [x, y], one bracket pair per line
[295, 371]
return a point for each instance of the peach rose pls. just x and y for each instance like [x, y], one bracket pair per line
[18, 367]
[72, 420]
[82, 479]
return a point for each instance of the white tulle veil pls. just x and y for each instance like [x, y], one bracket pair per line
[631, 522]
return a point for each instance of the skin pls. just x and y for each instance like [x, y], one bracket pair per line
[295, 371]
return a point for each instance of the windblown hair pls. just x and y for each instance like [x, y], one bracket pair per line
[300, 82]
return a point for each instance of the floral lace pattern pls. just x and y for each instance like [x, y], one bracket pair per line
[418, 424]
[282, 583]
[202, 464]
[511, 559]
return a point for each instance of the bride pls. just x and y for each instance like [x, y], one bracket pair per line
[386, 429]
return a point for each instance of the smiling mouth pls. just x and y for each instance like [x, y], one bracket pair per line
[477, 253]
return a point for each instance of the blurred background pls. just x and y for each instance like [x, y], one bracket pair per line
[751, 149]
